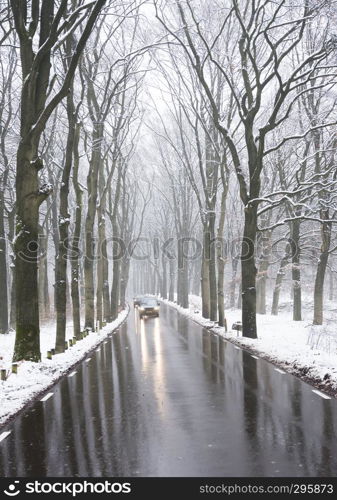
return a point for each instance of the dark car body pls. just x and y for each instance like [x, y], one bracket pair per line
[148, 307]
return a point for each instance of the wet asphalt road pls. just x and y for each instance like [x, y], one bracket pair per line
[165, 397]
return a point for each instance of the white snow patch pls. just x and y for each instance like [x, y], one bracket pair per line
[34, 378]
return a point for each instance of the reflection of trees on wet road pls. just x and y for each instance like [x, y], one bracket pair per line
[164, 397]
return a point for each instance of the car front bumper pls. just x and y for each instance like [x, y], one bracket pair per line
[149, 312]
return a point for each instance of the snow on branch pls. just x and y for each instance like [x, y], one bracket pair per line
[299, 136]
[46, 189]
[300, 217]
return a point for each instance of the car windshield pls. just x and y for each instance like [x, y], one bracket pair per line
[149, 302]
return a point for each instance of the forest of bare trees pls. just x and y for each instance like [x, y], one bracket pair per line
[169, 148]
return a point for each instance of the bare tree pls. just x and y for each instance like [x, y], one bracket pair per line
[50, 22]
[261, 54]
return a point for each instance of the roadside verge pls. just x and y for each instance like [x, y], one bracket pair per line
[33, 379]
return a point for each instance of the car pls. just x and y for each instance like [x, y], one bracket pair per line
[149, 307]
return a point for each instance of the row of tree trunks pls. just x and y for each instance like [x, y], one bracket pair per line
[35, 112]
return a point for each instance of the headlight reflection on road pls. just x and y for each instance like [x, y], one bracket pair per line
[152, 359]
[144, 347]
[159, 369]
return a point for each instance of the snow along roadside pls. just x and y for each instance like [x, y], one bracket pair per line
[281, 341]
[35, 378]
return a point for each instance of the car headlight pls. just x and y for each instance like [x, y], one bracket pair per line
[156, 308]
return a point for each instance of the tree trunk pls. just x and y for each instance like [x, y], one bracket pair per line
[100, 267]
[213, 295]
[122, 285]
[106, 292]
[221, 301]
[196, 277]
[205, 295]
[115, 249]
[279, 280]
[11, 233]
[75, 244]
[221, 260]
[321, 269]
[102, 293]
[3, 269]
[261, 285]
[124, 280]
[89, 259]
[319, 288]
[262, 275]
[55, 232]
[171, 286]
[184, 287]
[44, 302]
[164, 278]
[248, 270]
[296, 271]
[99, 287]
[46, 284]
[29, 197]
[232, 287]
[64, 221]
[182, 276]
[115, 285]
[239, 302]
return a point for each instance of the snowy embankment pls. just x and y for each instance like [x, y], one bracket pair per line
[307, 351]
[34, 378]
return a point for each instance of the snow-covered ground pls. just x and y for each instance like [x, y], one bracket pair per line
[34, 378]
[301, 348]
